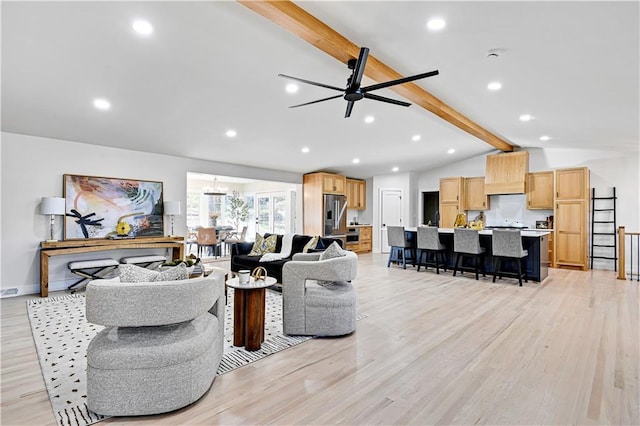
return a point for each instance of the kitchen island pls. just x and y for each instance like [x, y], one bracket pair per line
[536, 242]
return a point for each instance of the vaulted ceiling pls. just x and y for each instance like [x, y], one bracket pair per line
[212, 66]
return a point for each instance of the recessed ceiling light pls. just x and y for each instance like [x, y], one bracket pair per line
[369, 119]
[102, 104]
[436, 24]
[231, 133]
[142, 27]
[494, 85]
[395, 169]
[356, 160]
[415, 138]
[451, 151]
[305, 149]
[526, 117]
[545, 138]
[291, 88]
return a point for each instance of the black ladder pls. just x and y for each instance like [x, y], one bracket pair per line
[603, 228]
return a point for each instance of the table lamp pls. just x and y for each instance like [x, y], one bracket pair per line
[53, 206]
[172, 208]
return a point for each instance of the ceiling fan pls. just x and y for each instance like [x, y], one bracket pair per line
[353, 92]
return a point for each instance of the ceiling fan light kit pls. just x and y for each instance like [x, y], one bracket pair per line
[354, 92]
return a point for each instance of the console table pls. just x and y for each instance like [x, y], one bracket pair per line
[58, 248]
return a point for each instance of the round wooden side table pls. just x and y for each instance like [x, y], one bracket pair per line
[249, 311]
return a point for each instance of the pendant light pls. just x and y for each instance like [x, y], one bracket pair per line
[216, 190]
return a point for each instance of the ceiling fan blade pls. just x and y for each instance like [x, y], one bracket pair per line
[358, 71]
[313, 83]
[385, 99]
[399, 81]
[315, 102]
[347, 114]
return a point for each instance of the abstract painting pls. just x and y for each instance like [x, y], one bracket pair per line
[102, 207]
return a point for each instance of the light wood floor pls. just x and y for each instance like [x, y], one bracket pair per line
[433, 349]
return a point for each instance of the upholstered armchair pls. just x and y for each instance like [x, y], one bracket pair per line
[161, 347]
[318, 298]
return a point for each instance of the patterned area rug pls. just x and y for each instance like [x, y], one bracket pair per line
[62, 335]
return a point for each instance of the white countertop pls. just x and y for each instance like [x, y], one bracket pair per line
[524, 232]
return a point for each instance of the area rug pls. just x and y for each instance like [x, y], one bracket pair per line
[62, 334]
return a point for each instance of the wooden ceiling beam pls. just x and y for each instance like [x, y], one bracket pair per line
[301, 23]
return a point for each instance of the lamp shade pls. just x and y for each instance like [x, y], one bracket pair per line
[172, 208]
[52, 205]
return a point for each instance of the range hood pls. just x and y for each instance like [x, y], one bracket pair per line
[506, 173]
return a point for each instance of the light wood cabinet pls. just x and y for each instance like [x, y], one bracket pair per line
[572, 184]
[474, 195]
[333, 184]
[450, 189]
[571, 216]
[356, 194]
[540, 190]
[448, 213]
[365, 243]
[506, 173]
[451, 198]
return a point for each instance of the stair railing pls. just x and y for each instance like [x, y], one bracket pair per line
[630, 240]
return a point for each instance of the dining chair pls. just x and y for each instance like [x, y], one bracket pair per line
[234, 237]
[207, 238]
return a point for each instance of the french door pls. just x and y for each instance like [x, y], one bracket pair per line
[275, 212]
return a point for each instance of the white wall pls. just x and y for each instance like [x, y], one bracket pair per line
[32, 167]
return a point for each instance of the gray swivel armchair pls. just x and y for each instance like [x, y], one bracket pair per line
[507, 245]
[318, 298]
[161, 347]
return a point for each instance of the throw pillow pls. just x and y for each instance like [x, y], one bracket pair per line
[136, 274]
[313, 242]
[333, 251]
[179, 272]
[264, 245]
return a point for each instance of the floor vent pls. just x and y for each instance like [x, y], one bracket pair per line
[8, 292]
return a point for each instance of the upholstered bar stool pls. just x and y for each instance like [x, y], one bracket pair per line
[401, 248]
[466, 242]
[507, 245]
[429, 243]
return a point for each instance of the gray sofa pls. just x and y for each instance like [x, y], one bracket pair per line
[161, 347]
[318, 298]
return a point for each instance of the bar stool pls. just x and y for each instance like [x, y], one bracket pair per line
[507, 245]
[429, 243]
[466, 242]
[400, 246]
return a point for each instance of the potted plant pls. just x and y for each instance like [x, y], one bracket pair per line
[213, 218]
[237, 209]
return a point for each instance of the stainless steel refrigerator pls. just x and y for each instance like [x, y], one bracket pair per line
[335, 217]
